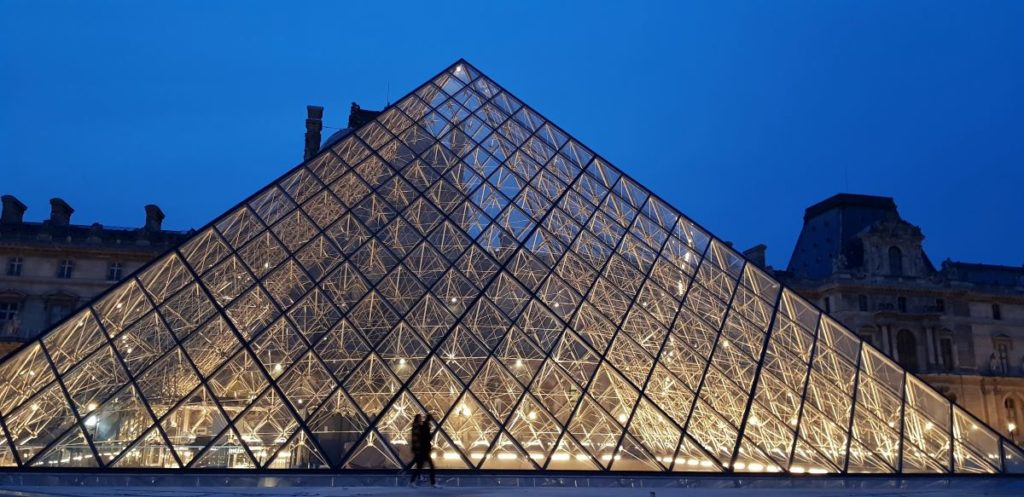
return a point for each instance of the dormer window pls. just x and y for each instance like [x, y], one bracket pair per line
[895, 261]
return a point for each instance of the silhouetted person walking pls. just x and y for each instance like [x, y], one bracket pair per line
[421, 448]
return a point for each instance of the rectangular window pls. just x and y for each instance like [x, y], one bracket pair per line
[940, 305]
[8, 311]
[862, 303]
[57, 311]
[114, 271]
[65, 268]
[14, 266]
[997, 313]
[901, 303]
[1003, 356]
[9, 318]
[828, 305]
[946, 350]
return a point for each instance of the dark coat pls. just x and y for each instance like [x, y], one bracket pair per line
[421, 438]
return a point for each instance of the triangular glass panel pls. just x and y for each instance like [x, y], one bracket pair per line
[506, 454]
[226, 452]
[471, 428]
[238, 382]
[395, 425]
[299, 453]
[691, 457]
[117, 423]
[445, 454]
[70, 451]
[372, 454]
[1013, 458]
[371, 385]
[266, 426]
[569, 456]
[39, 421]
[24, 373]
[7, 459]
[195, 423]
[306, 384]
[863, 460]
[150, 451]
[337, 426]
[631, 456]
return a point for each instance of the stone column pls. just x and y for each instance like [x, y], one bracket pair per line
[930, 338]
[887, 340]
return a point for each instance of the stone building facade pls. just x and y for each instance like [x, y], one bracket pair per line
[50, 268]
[959, 326]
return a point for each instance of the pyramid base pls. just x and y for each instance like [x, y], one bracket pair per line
[87, 483]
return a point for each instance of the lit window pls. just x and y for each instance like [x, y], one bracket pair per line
[66, 267]
[1011, 416]
[14, 266]
[114, 271]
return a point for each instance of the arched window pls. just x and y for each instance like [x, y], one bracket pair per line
[906, 348]
[1011, 414]
[895, 261]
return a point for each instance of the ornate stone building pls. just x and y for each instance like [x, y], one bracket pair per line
[959, 326]
[52, 267]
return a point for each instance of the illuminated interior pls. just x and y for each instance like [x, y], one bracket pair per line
[462, 256]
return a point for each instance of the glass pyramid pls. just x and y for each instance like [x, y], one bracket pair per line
[461, 255]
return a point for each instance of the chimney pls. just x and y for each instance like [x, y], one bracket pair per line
[314, 123]
[60, 212]
[13, 211]
[154, 218]
[756, 254]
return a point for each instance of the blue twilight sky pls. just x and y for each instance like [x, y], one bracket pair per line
[739, 113]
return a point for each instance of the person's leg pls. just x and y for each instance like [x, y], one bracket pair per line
[430, 460]
[417, 468]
